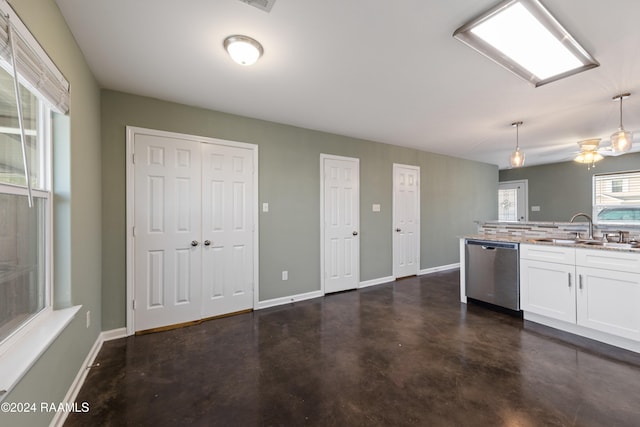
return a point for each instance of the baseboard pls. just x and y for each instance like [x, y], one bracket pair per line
[316, 294]
[288, 299]
[114, 334]
[61, 416]
[439, 268]
[377, 281]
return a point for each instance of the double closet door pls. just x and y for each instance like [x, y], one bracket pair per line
[193, 232]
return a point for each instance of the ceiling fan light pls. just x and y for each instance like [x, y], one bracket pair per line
[589, 154]
[621, 141]
[243, 50]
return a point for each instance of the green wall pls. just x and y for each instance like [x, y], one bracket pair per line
[563, 189]
[454, 193]
[77, 216]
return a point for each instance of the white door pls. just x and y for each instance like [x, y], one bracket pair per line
[167, 231]
[406, 220]
[227, 229]
[513, 201]
[340, 223]
[192, 214]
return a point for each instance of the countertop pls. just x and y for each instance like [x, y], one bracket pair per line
[536, 241]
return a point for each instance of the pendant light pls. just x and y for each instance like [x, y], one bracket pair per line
[622, 139]
[517, 157]
[242, 49]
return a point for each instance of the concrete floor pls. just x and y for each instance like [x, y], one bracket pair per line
[403, 353]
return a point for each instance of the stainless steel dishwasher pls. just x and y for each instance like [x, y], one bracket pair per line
[492, 272]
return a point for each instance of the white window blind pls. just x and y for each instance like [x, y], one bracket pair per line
[616, 197]
[37, 71]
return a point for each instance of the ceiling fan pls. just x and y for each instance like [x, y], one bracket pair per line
[591, 152]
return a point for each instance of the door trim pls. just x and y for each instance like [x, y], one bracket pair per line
[393, 218]
[324, 157]
[132, 131]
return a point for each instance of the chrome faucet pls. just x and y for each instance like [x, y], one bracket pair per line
[588, 219]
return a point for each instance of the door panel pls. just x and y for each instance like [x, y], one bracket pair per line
[341, 216]
[548, 289]
[227, 223]
[608, 301]
[406, 220]
[167, 220]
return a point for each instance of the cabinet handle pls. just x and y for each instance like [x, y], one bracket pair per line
[569, 278]
[580, 281]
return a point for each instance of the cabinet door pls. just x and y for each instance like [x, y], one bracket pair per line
[609, 301]
[548, 289]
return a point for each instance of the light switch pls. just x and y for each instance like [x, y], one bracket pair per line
[375, 207]
[265, 207]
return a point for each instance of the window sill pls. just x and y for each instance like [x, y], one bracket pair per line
[22, 354]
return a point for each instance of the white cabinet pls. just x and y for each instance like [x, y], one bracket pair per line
[548, 289]
[608, 295]
[547, 281]
[591, 292]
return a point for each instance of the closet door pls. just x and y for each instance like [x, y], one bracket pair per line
[227, 229]
[167, 231]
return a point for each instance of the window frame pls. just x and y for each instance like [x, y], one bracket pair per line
[45, 144]
[599, 186]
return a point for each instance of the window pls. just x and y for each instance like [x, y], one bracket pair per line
[508, 204]
[24, 260]
[25, 254]
[28, 324]
[616, 198]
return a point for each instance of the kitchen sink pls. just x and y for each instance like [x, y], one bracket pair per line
[588, 243]
[612, 244]
[559, 241]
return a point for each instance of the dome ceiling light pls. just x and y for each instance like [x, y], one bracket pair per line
[243, 49]
[621, 140]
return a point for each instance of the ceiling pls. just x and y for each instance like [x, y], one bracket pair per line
[387, 71]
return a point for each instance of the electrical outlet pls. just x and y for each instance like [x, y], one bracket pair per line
[285, 275]
[88, 318]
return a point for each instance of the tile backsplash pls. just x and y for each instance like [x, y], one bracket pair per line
[561, 230]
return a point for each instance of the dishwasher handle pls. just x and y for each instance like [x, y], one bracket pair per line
[492, 245]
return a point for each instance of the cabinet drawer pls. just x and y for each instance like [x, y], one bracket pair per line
[548, 253]
[609, 260]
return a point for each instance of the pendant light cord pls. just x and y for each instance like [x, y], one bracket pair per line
[621, 112]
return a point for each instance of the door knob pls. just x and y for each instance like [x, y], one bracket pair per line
[194, 243]
[398, 230]
[355, 233]
[207, 242]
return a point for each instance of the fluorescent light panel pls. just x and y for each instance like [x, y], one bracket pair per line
[522, 36]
